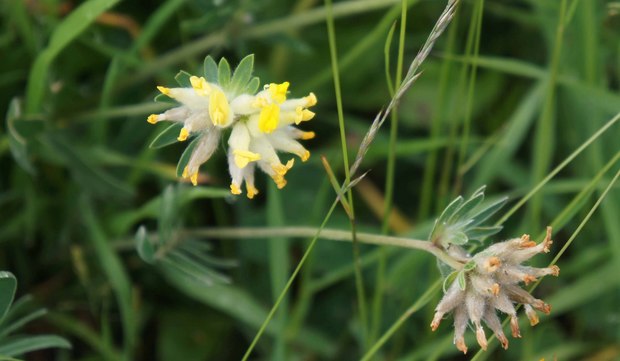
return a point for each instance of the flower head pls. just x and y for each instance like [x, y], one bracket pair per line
[491, 281]
[261, 124]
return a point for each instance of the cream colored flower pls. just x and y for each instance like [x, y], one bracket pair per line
[491, 284]
[260, 126]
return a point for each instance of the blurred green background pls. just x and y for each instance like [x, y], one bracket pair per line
[512, 88]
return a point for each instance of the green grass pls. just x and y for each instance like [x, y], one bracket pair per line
[520, 96]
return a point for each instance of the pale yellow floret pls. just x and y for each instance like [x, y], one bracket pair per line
[234, 189]
[279, 180]
[252, 191]
[243, 157]
[307, 115]
[185, 172]
[307, 135]
[183, 135]
[278, 91]
[305, 156]
[152, 118]
[164, 90]
[281, 169]
[269, 118]
[200, 85]
[219, 110]
[194, 178]
[310, 100]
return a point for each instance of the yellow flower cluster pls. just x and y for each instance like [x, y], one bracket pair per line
[260, 124]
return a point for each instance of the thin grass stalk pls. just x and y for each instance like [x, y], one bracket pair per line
[359, 283]
[389, 185]
[469, 104]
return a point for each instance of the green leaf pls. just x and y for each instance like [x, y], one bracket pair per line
[145, 248]
[182, 78]
[22, 344]
[480, 233]
[210, 69]
[449, 277]
[19, 323]
[467, 206]
[223, 73]
[8, 285]
[17, 142]
[185, 156]
[70, 28]
[168, 214]
[168, 136]
[252, 86]
[487, 211]
[457, 238]
[461, 280]
[242, 73]
[469, 266]
[450, 209]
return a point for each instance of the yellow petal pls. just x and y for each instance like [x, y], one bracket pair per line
[307, 135]
[252, 191]
[243, 157]
[164, 90]
[219, 109]
[269, 118]
[278, 91]
[152, 118]
[200, 85]
[183, 135]
[234, 189]
[194, 178]
[310, 100]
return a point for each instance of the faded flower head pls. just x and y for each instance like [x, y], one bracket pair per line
[260, 124]
[490, 281]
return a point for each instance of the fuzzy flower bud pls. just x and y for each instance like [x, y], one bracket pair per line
[492, 282]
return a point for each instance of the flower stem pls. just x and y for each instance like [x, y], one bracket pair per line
[329, 234]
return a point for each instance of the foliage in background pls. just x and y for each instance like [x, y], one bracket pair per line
[519, 95]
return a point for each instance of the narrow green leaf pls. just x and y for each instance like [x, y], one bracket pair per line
[461, 280]
[223, 73]
[449, 277]
[480, 233]
[17, 143]
[182, 78]
[70, 28]
[252, 86]
[168, 136]
[19, 323]
[16, 346]
[210, 69]
[145, 248]
[487, 211]
[114, 271]
[186, 156]
[450, 209]
[464, 209]
[8, 285]
[457, 238]
[242, 73]
[469, 266]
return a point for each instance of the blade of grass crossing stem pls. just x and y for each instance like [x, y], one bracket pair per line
[116, 274]
[282, 295]
[557, 169]
[481, 355]
[544, 138]
[359, 284]
[278, 268]
[69, 29]
[377, 310]
[470, 95]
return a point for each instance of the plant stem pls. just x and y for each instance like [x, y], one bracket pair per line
[330, 234]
